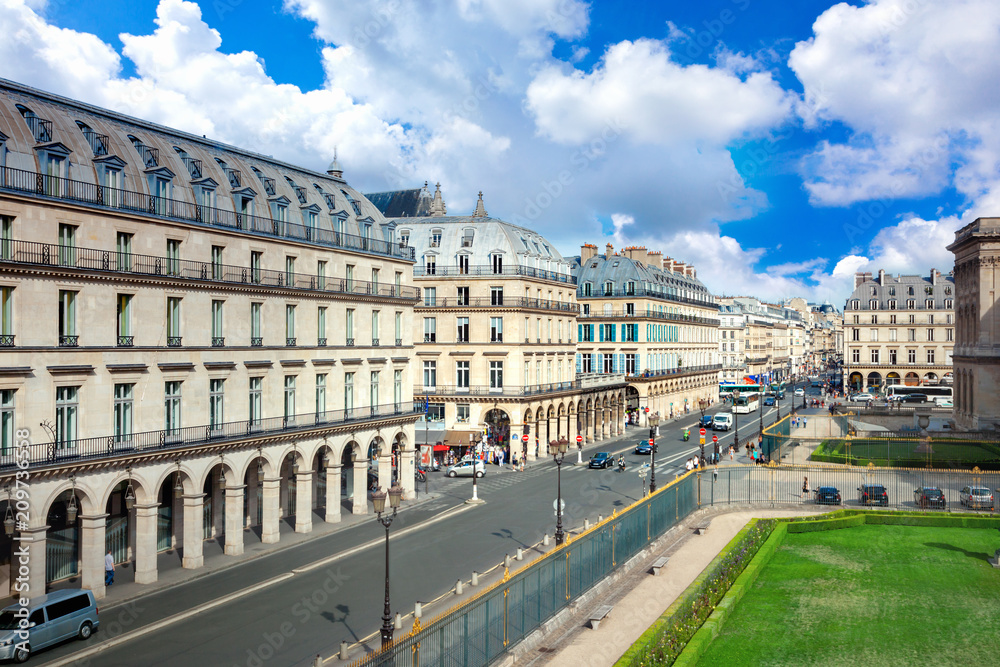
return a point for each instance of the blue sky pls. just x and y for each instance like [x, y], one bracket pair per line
[777, 146]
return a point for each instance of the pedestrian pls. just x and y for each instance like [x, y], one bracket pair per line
[732, 452]
[109, 569]
[805, 486]
[805, 422]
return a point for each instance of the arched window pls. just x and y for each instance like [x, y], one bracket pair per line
[150, 156]
[98, 142]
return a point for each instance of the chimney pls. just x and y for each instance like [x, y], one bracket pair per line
[690, 272]
[587, 250]
[934, 276]
[636, 253]
[653, 259]
[861, 277]
[881, 276]
[609, 252]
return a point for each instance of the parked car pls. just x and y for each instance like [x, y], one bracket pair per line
[929, 496]
[706, 421]
[976, 497]
[827, 495]
[52, 618]
[467, 469]
[913, 398]
[873, 494]
[863, 397]
[722, 422]
[769, 400]
[602, 460]
[800, 392]
[643, 447]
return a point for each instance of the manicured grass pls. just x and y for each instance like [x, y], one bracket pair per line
[870, 595]
[904, 453]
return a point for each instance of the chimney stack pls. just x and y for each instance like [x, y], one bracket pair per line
[881, 276]
[861, 277]
[587, 250]
[934, 276]
[653, 259]
[635, 253]
[610, 250]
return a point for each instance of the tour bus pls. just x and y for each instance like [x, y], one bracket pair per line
[746, 403]
[726, 389]
[940, 394]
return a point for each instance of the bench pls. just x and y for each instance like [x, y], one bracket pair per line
[599, 614]
[701, 530]
[659, 563]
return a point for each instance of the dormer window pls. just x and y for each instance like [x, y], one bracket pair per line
[496, 260]
[609, 288]
[98, 142]
[909, 291]
[435, 238]
[193, 165]
[892, 291]
[873, 304]
[587, 287]
[232, 175]
[300, 192]
[430, 265]
[404, 237]
[630, 288]
[41, 129]
[467, 237]
[354, 204]
[150, 156]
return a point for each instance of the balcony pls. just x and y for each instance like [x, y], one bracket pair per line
[125, 341]
[592, 381]
[651, 314]
[149, 442]
[375, 342]
[350, 342]
[218, 341]
[41, 129]
[7, 340]
[652, 294]
[69, 341]
[257, 341]
[489, 270]
[674, 372]
[320, 342]
[289, 342]
[90, 194]
[505, 302]
[173, 341]
[399, 342]
[91, 259]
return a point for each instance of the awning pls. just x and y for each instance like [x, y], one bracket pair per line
[441, 448]
[460, 438]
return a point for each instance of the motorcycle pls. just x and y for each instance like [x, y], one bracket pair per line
[687, 435]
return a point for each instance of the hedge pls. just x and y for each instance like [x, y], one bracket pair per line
[828, 524]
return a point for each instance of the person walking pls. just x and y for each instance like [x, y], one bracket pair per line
[805, 486]
[109, 569]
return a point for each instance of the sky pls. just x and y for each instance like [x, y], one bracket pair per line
[779, 147]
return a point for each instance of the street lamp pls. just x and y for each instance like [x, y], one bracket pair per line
[558, 451]
[642, 476]
[477, 439]
[736, 420]
[378, 499]
[653, 419]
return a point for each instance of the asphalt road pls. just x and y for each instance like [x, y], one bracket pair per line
[287, 624]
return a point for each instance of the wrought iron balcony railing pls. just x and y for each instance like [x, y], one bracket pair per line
[91, 194]
[218, 341]
[489, 270]
[530, 390]
[69, 341]
[257, 341]
[173, 341]
[649, 293]
[650, 314]
[112, 446]
[6, 340]
[126, 341]
[506, 302]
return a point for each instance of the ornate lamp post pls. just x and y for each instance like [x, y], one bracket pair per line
[378, 499]
[736, 420]
[558, 451]
[653, 419]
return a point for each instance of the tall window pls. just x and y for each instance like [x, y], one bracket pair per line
[375, 275]
[67, 318]
[289, 324]
[463, 264]
[911, 356]
[496, 296]
[256, 259]
[399, 328]
[856, 356]
[397, 387]
[430, 329]
[930, 356]
[497, 262]
[496, 375]
[256, 399]
[349, 326]
[289, 396]
[67, 245]
[462, 335]
[430, 296]
[892, 357]
[67, 416]
[348, 392]
[124, 320]
[6, 422]
[430, 265]
[173, 321]
[173, 257]
[375, 328]
[463, 296]
[911, 335]
[320, 393]
[172, 407]
[875, 356]
[217, 336]
[462, 374]
[290, 271]
[217, 262]
[892, 335]
[496, 329]
[321, 326]
[216, 396]
[350, 278]
[256, 337]
[430, 374]
[321, 274]
[123, 246]
[6, 225]
[930, 335]
[373, 399]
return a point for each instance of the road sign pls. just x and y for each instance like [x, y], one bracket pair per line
[650, 442]
[579, 438]
[559, 505]
[646, 409]
[524, 437]
[715, 438]
[701, 431]
[702, 440]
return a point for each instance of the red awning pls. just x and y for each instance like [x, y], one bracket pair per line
[441, 448]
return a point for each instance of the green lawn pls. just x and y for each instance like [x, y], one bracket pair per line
[956, 452]
[871, 595]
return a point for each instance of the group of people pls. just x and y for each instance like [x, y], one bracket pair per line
[755, 454]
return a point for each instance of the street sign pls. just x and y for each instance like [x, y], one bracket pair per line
[651, 442]
[701, 431]
[646, 409]
[524, 437]
[715, 438]
[579, 438]
[557, 505]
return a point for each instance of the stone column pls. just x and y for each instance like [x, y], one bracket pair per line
[270, 512]
[385, 470]
[333, 493]
[303, 501]
[218, 513]
[145, 543]
[30, 554]
[234, 520]
[92, 551]
[194, 537]
[360, 504]
[407, 473]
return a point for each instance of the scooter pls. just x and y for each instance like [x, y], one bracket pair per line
[687, 435]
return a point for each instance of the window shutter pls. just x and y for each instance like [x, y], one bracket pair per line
[611, 330]
[579, 363]
[600, 332]
[579, 333]
[593, 363]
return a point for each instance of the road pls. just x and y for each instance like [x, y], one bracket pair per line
[288, 623]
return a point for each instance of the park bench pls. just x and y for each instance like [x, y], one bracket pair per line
[660, 562]
[599, 614]
[701, 529]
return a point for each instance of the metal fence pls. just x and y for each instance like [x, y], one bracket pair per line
[480, 630]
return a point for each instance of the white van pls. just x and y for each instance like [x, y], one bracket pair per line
[47, 620]
[723, 421]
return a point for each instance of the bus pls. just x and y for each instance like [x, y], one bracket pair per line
[746, 403]
[726, 389]
[942, 395]
[776, 389]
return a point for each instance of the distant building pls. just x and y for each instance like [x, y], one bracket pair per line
[977, 342]
[899, 330]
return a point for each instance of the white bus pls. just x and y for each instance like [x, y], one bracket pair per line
[940, 394]
[746, 403]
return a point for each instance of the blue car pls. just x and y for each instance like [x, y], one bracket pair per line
[706, 421]
[644, 448]
[769, 400]
[602, 460]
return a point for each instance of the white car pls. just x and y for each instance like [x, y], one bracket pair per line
[465, 469]
[722, 422]
[800, 392]
[863, 397]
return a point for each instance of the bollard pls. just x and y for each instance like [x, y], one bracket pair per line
[418, 610]
[545, 540]
[475, 578]
[506, 561]
[458, 587]
[586, 524]
[398, 623]
[600, 518]
[343, 650]
[318, 662]
[520, 554]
